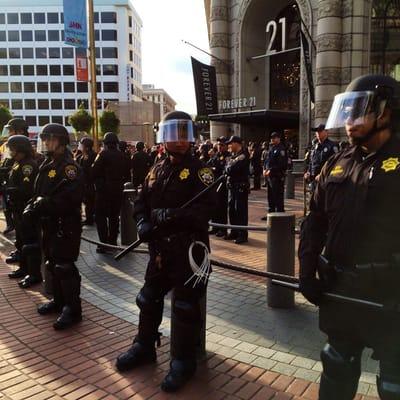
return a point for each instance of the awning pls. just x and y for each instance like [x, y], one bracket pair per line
[274, 119]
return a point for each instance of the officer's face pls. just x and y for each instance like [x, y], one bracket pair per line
[357, 131]
[221, 147]
[234, 147]
[51, 143]
[321, 135]
[275, 141]
[178, 147]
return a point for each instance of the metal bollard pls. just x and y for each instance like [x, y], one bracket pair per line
[290, 182]
[128, 224]
[280, 257]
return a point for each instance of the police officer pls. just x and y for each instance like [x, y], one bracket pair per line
[274, 170]
[109, 172]
[57, 202]
[238, 184]
[255, 162]
[20, 190]
[141, 163]
[355, 217]
[85, 160]
[218, 164]
[323, 149]
[169, 185]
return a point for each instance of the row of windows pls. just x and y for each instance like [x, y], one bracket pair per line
[52, 18]
[51, 35]
[53, 52]
[56, 87]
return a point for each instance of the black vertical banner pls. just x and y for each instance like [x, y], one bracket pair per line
[308, 64]
[205, 84]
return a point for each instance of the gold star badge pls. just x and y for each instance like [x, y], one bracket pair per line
[184, 174]
[52, 173]
[390, 164]
[338, 170]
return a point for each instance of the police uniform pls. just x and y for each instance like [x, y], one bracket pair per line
[5, 167]
[255, 161]
[141, 163]
[319, 154]
[276, 162]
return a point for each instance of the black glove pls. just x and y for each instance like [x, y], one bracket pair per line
[312, 289]
[144, 229]
[164, 216]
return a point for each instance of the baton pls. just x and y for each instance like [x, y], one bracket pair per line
[337, 297]
[187, 204]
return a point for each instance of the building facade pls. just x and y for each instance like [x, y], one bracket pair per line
[259, 94]
[37, 70]
[159, 96]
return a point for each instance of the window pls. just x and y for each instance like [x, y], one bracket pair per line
[96, 35]
[57, 119]
[62, 36]
[14, 52]
[3, 53]
[56, 104]
[3, 70]
[12, 18]
[5, 103]
[40, 36]
[111, 87]
[3, 36]
[80, 52]
[15, 70]
[109, 17]
[53, 35]
[15, 87]
[84, 102]
[41, 52]
[27, 36]
[55, 87]
[68, 70]
[27, 53]
[41, 70]
[66, 123]
[3, 87]
[98, 69]
[39, 18]
[96, 17]
[43, 87]
[130, 55]
[130, 21]
[13, 36]
[31, 121]
[29, 70]
[55, 70]
[30, 104]
[29, 87]
[43, 104]
[110, 52]
[54, 52]
[98, 87]
[97, 52]
[108, 34]
[44, 120]
[110, 69]
[2, 18]
[26, 18]
[68, 52]
[52, 18]
[69, 87]
[16, 104]
[69, 104]
[62, 18]
[130, 38]
[82, 87]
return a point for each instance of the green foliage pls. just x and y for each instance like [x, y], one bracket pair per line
[81, 120]
[5, 116]
[109, 122]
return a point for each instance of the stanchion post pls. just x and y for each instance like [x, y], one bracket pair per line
[280, 257]
[290, 182]
[128, 224]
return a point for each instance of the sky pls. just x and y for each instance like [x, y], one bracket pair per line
[166, 59]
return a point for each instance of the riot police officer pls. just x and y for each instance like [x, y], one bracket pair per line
[218, 164]
[57, 202]
[274, 170]
[141, 163]
[85, 161]
[20, 190]
[238, 183]
[109, 172]
[179, 234]
[354, 215]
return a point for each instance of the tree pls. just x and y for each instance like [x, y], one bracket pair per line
[81, 120]
[5, 116]
[109, 122]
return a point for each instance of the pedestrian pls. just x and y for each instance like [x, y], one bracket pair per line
[237, 169]
[264, 155]
[109, 173]
[174, 235]
[255, 162]
[57, 203]
[275, 171]
[141, 163]
[354, 220]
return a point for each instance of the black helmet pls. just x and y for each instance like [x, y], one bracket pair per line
[139, 146]
[110, 138]
[122, 145]
[18, 125]
[55, 130]
[87, 142]
[20, 144]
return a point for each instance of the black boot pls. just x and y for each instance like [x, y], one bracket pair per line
[67, 318]
[13, 258]
[17, 274]
[31, 259]
[180, 372]
[29, 281]
[49, 308]
[139, 354]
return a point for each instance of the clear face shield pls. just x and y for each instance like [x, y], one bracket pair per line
[47, 144]
[176, 130]
[351, 108]
[7, 132]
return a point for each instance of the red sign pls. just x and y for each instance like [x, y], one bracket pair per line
[82, 70]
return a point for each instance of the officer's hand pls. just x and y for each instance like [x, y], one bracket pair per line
[306, 176]
[144, 230]
[267, 172]
[312, 290]
[162, 216]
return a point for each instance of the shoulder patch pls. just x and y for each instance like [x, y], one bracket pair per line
[206, 176]
[27, 170]
[71, 172]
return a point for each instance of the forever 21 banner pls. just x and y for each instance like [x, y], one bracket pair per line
[205, 83]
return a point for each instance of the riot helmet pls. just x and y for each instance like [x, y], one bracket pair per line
[86, 142]
[19, 144]
[15, 126]
[51, 138]
[176, 126]
[110, 138]
[139, 146]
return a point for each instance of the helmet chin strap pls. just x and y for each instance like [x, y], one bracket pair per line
[375, 130]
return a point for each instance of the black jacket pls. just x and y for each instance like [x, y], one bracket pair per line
[141, 163]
